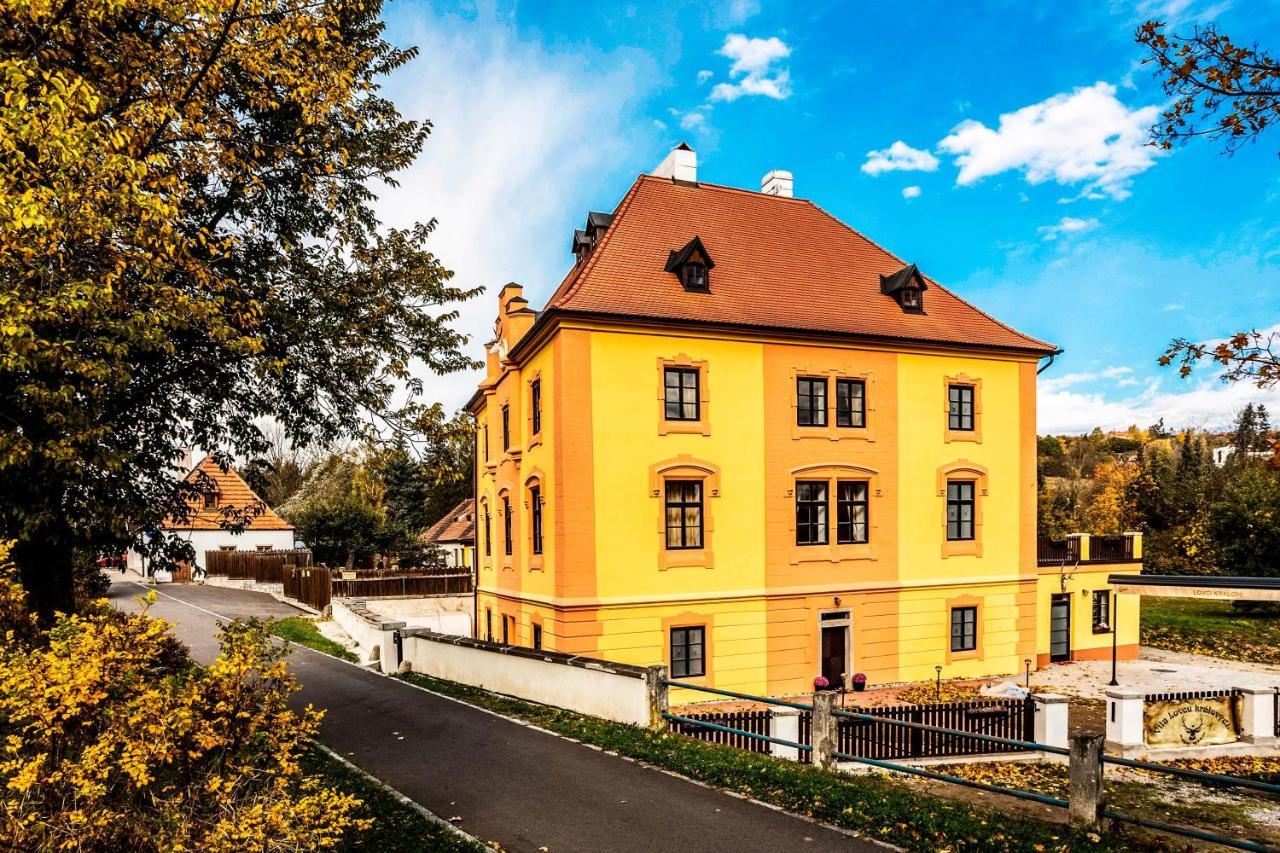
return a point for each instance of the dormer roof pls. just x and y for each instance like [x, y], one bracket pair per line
[691, 251]
[233, 494]
[781, 264]
[891, 284]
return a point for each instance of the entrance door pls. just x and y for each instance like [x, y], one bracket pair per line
[1060, 628]
[835, 646]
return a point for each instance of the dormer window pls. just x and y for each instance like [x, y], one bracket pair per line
[692, 265]
[210, 500]
[695, 276]
[907, 286]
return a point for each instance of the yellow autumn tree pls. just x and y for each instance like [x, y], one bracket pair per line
[112, 738]
[1112, 510]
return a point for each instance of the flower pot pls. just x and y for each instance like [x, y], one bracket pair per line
[859, 686]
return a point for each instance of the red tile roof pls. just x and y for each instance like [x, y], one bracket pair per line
[233, 492]
[780, 263]
[458, 525]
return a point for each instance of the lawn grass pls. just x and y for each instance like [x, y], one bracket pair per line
[872, 805]
[1208, 627]
[301, 630]
[397, 827]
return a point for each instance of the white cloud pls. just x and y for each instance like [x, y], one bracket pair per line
[735, 12]
[1083, 137]
[1067, 225]
[694, 120]
[911, 192]
[899, 157]
[704, 75]
[1173, 306]
[756, 67]
[1205, 403]
[506, 170]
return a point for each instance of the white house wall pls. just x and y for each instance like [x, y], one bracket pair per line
[212, 540]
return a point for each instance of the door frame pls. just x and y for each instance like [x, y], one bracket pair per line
[847, 623]
[1054, 599]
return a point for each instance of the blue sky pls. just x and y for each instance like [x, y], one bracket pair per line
[1000, 146]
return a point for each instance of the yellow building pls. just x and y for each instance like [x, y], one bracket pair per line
[743, 440]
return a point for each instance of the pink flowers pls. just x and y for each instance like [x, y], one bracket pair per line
[821, 683]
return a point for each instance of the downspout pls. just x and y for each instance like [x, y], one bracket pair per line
[1049, 363]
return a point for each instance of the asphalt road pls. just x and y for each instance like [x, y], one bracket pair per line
[507, 782]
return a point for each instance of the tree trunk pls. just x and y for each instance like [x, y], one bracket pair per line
[45, 570]
[351, 557]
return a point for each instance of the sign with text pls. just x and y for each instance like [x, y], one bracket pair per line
[1190, 722]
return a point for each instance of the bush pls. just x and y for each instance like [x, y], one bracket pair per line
[112, 738]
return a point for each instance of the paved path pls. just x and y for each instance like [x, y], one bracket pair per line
[522, 787]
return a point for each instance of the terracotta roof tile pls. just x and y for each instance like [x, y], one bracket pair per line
[781, 263]
[233, 492]
[458, 525]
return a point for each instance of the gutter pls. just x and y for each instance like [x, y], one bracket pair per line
[1053, 355]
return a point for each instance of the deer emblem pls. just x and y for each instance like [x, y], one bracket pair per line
[1192, 728]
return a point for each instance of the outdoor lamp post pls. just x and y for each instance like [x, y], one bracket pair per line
[1115, 632]
[938, 669]
[1028, 665]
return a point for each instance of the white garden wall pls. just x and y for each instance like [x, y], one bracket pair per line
[613, 691]
[374, 635]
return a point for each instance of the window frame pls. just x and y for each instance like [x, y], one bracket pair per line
[860, 412]
[683, 505]
[812, 410]
[535, 519]
[701, 286]
[537, 636]
[535, 406]
[960, 502]
[1104, 625]
[687, 643]
[972, 622]
[488, 531]
[506, 427]
[959, 421]
[209, 499]
[681, 372]
[853, 503]
[506, 525]
[818, 511]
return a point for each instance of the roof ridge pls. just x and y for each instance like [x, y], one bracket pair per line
[931, 279]
[599, 249]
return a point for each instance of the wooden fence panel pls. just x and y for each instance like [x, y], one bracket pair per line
[311, 585]
[756, 722]
[406, 585]
[258, 566]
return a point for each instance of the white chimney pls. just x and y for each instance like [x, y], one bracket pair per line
[681, 164]
[777, 182]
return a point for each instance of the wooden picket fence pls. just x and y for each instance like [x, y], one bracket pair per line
[311, 585]
[756, 722]
[258, 566]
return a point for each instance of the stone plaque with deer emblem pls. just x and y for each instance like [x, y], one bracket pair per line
[1191, 722]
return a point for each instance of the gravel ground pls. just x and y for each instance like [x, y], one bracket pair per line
[1156, 671]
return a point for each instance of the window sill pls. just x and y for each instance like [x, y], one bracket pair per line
[1101, 631]
[534, 441]
[699, 427]
[693, 558]
[535, 563]
[962, 548]
[970, 654]
[832, 553]
[971, 435]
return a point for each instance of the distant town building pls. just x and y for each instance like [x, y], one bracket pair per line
[1222, 454]
[206, 530]
[455, 533]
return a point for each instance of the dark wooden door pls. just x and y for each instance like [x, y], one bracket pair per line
[834, 649]
[1060, 628]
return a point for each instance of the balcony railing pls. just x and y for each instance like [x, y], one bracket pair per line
[1083, 548]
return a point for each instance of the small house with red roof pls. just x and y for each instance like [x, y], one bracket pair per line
[224, 496]
[455, 534]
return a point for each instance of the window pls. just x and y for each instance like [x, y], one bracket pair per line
[535, 509]
[684, 514]
[486, 442]
[1102, 611]
[851, 403]
[964, 629]
[811, 513]
[960, 510]
[686, 652]
[506, 427]
[535, 403]
[210, 500]
[910, 297]
[488, 625]
[537, 636]
[506, 525]
[488, 534]
[680, 385]
[506, 632]
[811, 402]
[851, 512]
[960, 407]
[695, 276]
